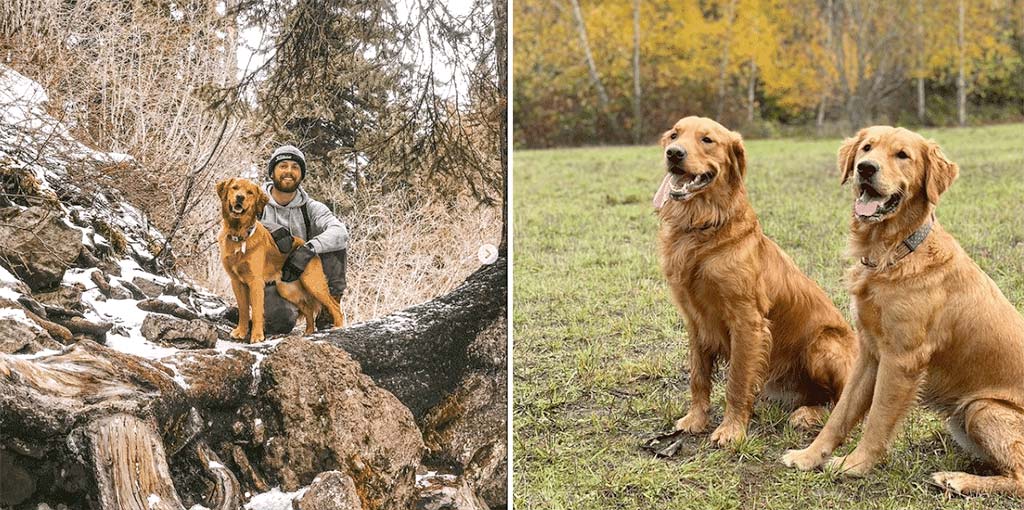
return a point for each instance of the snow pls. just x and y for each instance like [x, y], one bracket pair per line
[274, 500]
[7, 277]
[216, 465]
[427, 479]
[18, 315]
[9, 293]
[153, 500]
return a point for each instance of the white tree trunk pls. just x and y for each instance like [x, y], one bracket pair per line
[723, 68]
[637, 94]
[961, 82]
[751, 86]
[581, 29]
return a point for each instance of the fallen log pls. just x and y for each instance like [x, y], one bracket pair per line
[419, 353]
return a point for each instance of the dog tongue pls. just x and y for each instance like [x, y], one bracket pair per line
[867, 206]
[662, 195]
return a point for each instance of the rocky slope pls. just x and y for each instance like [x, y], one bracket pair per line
[92, 331]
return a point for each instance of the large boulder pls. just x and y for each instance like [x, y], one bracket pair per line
[332, 490]
[324, 414]
[38, 245]
[469, 427]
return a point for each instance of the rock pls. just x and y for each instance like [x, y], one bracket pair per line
[19, 335]
[119, 292]
[165, 307]
[38, 246]
[332, 490]
[448, 493]
[16, 485]
[165, 329]
[469, 427]
[322, 413]
[148, 287]
[68, 297]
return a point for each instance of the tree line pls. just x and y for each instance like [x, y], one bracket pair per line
[614, 71]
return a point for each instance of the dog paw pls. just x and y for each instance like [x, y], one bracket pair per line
[239, 333]
[850, 465]
[951, 481]
[728, 433]
[256, 338]
[804, 460]
[807, 417]
[692, 423]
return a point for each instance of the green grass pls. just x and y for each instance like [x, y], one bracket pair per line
[600, 351]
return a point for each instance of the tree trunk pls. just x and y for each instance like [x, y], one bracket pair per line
[921, 45]
[961, 82]
[723, 64]
[637, 97]
[500, 15]
[595, 78]
[419, 354]
[751, 86]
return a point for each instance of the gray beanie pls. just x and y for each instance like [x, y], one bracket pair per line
[286, 153]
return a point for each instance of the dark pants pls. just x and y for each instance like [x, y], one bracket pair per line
[279, 316]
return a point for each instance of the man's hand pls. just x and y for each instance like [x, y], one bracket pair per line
[295, 264]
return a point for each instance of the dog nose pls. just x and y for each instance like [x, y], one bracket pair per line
[867, 168]
[239, 199]
[675, 154]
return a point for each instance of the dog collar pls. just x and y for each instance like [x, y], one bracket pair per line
[240, 239]
[907, 246]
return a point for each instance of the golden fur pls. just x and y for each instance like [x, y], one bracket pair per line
[743, 298]
[930, 324]
[252, 263]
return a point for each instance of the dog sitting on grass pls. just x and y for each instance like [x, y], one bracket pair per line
[743, 298]
[251, 259]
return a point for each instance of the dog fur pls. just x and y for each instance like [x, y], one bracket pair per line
[256, 260]
[743, 298]
[931, 325]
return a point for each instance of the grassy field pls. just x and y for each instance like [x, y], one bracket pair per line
[600, 351]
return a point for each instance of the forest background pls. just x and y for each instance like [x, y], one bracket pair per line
[592, 72]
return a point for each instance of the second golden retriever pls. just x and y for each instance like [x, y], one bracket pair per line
[251, 259]
[743, 298]
[931, 323]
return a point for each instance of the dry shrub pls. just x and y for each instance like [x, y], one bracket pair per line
[401, 255]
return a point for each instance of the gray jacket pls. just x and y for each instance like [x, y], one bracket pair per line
[328, 232]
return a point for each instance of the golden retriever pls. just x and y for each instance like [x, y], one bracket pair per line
[743, 298]
[250, 257]
[931, 324]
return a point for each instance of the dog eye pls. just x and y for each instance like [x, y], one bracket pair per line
[674, 135]
[707, 140]
[867, 147]
[902, 155]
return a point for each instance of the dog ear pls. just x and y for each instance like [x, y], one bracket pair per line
[939, 172]
[261, 203]
[738, 154]
[848, 154]
[222, 188]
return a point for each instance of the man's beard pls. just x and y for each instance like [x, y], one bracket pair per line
[287, 188]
